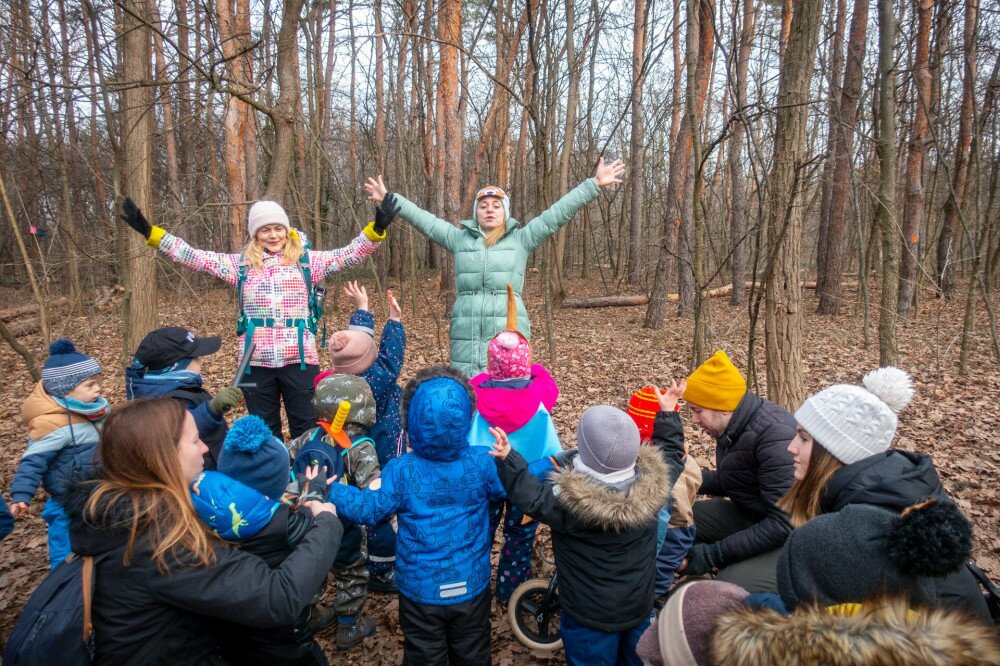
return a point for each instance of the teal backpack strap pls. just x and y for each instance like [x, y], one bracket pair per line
[243, 323]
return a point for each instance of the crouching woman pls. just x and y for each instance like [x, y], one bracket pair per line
[160, 575]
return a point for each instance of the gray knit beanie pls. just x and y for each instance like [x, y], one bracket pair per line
[608, 439]
[855, 422]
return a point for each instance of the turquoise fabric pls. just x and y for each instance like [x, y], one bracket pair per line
[482, 273]
[536, 439]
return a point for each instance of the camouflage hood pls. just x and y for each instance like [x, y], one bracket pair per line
[333, 389]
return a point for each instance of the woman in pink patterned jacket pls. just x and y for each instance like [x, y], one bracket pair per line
[271, 275]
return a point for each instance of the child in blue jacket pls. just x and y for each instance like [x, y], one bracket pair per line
[241, 504]
[64, 415]
[353, 352]
[167, 363]
[440, 492]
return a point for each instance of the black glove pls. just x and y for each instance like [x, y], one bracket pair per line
[134, 218]
[385, 213]
[702, 558]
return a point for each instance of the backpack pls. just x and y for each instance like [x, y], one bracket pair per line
[55, 626]
[314, 295]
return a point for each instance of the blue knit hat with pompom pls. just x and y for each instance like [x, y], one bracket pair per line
[255, 457]
[66, 368]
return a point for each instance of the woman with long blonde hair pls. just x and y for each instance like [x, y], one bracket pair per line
[870, 520]
[160, 574]
[277, 278]
[491, 250]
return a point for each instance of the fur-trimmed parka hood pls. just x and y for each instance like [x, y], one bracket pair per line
[608, 508]
[879, 634]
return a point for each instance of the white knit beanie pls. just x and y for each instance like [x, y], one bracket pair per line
[263, 213]
[855, 422]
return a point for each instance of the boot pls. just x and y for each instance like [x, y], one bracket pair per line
[321, 617]
[383, 582]
[350, 635]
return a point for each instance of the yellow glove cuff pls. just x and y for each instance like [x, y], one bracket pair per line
[155, 236]
[373, 235]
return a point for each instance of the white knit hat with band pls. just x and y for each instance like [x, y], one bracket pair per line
[855, 422]
[263, 213]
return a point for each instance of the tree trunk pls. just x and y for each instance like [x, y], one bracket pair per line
[136, 158]
[287, 107]
[836, 237]
[783, 300]
[450, 34]
[885, 214]
[740, 204]
[913, 216]
[946, 254]
[633, 265]
[836, 72]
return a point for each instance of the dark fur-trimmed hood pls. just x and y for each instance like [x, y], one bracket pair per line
[608, 508]
[879, 634]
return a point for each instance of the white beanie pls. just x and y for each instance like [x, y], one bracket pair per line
[855, 422]
[263, 213]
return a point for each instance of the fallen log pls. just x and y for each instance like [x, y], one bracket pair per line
[20, 328]
[20, 311]
[606, 301]
[640, 299]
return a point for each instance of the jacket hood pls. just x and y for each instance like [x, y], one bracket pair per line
[608, 508]
[436, 409]
[42, 414]
[229, 508]
[893, 480]
[109, 529]
[142, 385]
[511, 409]
[755, 637]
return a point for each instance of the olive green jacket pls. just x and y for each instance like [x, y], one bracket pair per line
[482, 273]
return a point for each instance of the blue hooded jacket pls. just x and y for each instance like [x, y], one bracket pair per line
[186, 387]
[6, 519]
[440, 492]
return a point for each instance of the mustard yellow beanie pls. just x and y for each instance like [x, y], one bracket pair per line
[716, 384]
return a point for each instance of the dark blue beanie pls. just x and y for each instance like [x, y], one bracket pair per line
[255, 457]
[66, 368]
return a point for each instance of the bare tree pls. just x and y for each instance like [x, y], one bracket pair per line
[885, 213]
[783, 295]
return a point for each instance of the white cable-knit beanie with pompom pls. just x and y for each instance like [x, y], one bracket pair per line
[855, 422]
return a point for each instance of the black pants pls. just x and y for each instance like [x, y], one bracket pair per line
[288, 383]
[717, 518]
[458, 635]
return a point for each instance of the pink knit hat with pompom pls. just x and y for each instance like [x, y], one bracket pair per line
[352, 352]
[509, 353]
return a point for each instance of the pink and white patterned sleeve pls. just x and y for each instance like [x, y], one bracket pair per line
[221, 265]
[325, 262]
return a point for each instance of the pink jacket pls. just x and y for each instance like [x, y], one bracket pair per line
[275, 290]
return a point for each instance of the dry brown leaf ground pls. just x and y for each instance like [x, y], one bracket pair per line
[603, 355]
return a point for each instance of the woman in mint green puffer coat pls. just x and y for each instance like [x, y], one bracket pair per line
[491, 251]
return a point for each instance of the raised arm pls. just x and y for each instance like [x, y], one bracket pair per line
[221, 265]
[539, 229]
[325, 262]
[440, 231]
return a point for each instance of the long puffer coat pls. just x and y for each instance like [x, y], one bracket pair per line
[482, 273]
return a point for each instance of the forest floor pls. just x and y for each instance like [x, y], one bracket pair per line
[603, 355]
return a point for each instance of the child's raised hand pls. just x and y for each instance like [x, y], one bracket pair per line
[670, 396]
[395, 312]
[358, 293]
[375, 189]
[501, 447]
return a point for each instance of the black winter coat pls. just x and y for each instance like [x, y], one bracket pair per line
[841, 556]
[753, 468]
[603, 539]
[144, 617]
[288, 645]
